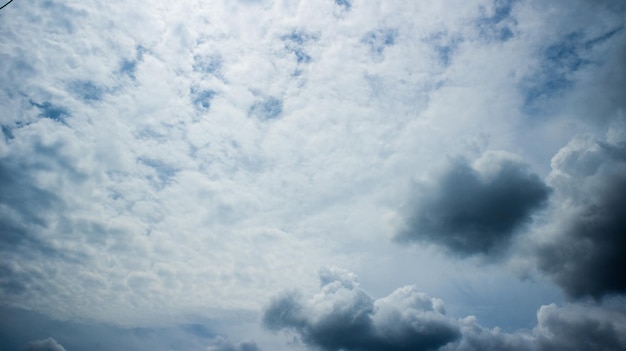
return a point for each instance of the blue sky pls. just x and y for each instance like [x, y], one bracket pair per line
[312, 175]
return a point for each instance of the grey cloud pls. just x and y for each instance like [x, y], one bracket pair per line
[342, 316]
[48, 344]
[223, 344]
[568, 328]
[586, 248]
[471, 211]
[579, 329]
[18, 329]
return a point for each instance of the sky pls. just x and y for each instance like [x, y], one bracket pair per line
[247, 175]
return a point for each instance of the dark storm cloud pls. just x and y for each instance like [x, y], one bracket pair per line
[469, 211]
[48, 344]
[342, 316]
[586, 253]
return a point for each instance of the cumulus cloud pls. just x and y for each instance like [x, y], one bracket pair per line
[584, 248]
[48, 344]
[475, 209]
[342, 316]
[563, 328]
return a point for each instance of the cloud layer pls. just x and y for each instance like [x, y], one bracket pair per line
[167, 168]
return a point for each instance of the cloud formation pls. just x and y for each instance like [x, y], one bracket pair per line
[584, 248]
[342, 316]
[48, 344]
[475, 209]
[223, 344]
[566, 328]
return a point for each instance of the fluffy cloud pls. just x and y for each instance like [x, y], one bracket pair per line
[162, 165]
[342, 316]
[475, 209]
[48, 344]
[584, 248]
[567, 328]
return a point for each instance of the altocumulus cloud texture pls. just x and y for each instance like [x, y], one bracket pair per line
[342, 316]
[167, 168]
[475, 209]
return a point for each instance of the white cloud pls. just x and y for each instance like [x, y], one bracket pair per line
[161, 161]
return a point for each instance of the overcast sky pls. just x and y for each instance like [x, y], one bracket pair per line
[357, 175]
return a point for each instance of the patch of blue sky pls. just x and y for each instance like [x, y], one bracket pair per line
[86, 90]
[559, 61]
[268, 108]
[202, 98]
[445, 46]
[602, 38]
[207, 64]
[346, 4]
[298, 37]
[128, 67]
[502, 10]
[163, 171]
[301, 55]
[7, 132]
[380, 39]
[151, 134]
[295, 41]
[498, 25]
[50, 111]
[199, 330]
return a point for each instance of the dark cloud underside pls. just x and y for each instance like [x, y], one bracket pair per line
[469, 213]
[587, 256]
[344, 317]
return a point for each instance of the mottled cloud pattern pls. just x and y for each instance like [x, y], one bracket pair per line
[166, 169]
[475, 209]
[342, 316]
